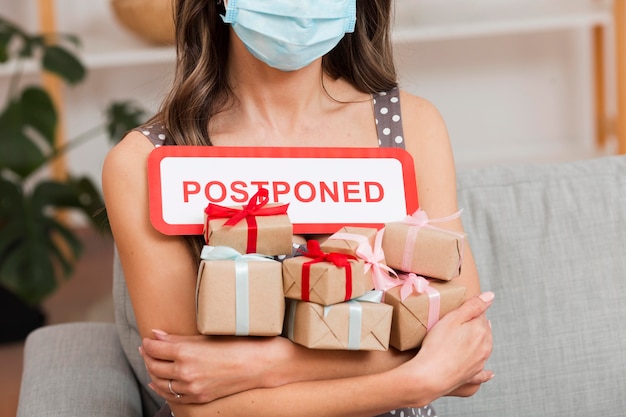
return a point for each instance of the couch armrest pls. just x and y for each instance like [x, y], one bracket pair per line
[77, 369]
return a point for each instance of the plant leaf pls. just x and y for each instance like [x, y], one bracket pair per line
[11, 210]
[122, 117]
[39, 112]
[92, 204]
[29, 272]
[18, 152]
[7, 33]
[63, 63]
[5, 39]
[71, 248]
[54, 194]
[36, 251]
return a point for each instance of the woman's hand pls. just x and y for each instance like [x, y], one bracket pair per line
[201, 369]
[453, 355]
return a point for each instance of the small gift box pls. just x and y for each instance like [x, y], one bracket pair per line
[348, 239]
[325, 278]
[417, 305]
[257, 227]
[416, 245]
[240, 295]
[364, 243]
[360, 324]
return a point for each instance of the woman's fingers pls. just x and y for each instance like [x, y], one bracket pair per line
[162, 388]
[164, 381]
[457, 348]
[160, 350]
[157, 368]
[473, 307]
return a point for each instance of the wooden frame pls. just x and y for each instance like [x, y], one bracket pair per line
[619, 19]
[54, 86]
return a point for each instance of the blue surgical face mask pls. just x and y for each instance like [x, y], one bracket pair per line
[290, 34]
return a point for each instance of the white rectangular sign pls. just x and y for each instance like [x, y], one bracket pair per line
[326, 188]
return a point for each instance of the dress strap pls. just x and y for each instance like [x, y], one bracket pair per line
[156, 133]
[388, 119]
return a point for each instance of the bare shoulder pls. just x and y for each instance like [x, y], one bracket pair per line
[421, 119]
[124, 180]
[427, 140]
[131, 153]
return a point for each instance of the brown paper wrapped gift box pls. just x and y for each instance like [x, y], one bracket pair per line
[320, 327]
[327, 282]
[410, 317]
[217, 298]
[348, 246]
[437, 253]
[274, 234]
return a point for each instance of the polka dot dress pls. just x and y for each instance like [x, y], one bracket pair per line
[410, 412]
[390, 135]
[156, 133]
[388, 119]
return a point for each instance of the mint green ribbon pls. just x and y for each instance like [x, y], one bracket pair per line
[242, 287]
[356, 316]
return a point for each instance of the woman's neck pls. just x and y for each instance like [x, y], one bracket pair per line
[277, 107]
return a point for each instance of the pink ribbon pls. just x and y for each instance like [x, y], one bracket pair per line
[418, 220]
[421, 285]
[374, 258]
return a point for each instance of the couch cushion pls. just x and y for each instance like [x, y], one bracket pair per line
[549, 241]
[77, 369]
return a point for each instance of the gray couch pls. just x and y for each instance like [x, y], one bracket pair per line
[549, 240]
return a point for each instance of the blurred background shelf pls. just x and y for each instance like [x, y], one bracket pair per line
[430, 21]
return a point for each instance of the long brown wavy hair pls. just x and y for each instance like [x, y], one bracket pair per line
[200, 88]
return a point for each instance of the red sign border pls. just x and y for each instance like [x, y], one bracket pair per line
[162, 152]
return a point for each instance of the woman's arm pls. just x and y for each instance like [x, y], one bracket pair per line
[453, 355]
[200, 365]
[426, 139]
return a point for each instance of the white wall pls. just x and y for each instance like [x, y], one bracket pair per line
[515, 97]
[506, 99]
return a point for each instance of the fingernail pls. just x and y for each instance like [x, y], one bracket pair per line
[487, 297]
[489, 323]
[158, 332]
[140, 350]
[151, 386]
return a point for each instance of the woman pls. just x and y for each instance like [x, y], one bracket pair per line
[285, 73]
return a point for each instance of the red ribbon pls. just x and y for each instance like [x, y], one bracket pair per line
[338, 259]
[255, 207]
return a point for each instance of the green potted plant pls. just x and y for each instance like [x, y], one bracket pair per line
[37, 250]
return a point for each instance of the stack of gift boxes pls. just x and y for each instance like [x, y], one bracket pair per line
[360, 289]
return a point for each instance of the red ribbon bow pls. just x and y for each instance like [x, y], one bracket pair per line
[255, 207]
[340, 260]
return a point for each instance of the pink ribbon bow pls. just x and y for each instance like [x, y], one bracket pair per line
[421, 285]
[418, 220]
[374, 258]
